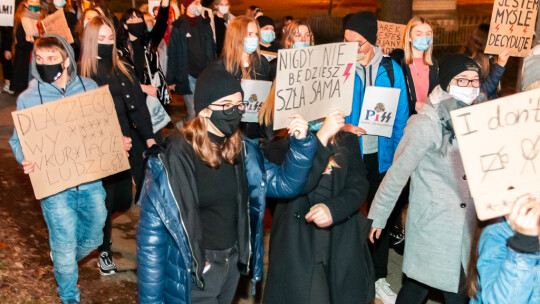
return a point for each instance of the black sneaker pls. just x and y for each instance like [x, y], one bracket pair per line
[106, 263]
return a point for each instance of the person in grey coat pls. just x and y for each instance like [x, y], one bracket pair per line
[441, 216]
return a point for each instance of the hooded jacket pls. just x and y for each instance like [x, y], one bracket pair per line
[40, 92]
[170, 254]
[374, 74]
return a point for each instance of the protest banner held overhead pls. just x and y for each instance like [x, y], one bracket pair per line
[56, 23]
[255, 94]
[313, 81]
[512, 27]
[390, 36]
[7, 12]
[71, 141]
[499, 142]
[379, 110]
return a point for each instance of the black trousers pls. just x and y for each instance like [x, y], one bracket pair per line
[413, 292]
[221, 277]
[6, 67]
[379, 250]
[119, 197]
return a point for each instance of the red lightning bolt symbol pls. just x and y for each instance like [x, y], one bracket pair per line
[347, 74]
[525, 30]
[512, 28]
[497, 27]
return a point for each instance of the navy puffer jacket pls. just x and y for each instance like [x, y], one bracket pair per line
[169, 252]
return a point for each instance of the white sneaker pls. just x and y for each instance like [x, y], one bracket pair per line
[384, 293]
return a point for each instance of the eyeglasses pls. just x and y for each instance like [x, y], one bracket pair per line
[462, 82]
[359, 44]
[228, 108]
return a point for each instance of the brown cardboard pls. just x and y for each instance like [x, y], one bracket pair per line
[499, 143]
[512, 27]
[71, 141]
[390, 36]
[56, 23]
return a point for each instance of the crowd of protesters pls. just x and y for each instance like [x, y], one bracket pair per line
[203, 190]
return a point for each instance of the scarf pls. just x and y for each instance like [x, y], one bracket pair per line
[443, 110]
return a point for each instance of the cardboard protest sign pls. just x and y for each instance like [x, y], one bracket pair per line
[269, 55]
[56, 23]
[379, 110]
[255, 94]
[512, 27]
[390, 36]
[313, 81]
[499, 142]
[7, 12]
[71, 141]
[153, 7]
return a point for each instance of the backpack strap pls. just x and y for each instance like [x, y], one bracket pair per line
[386, 62]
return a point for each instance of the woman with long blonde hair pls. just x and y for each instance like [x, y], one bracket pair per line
[101, 62]
[419, 66]
[201, 219]
[297, 34]
[242, 58]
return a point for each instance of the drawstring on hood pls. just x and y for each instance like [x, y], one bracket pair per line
[370, 70]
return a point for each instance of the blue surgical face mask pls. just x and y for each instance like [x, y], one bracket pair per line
[149, 28]
[422, 43]
[299, 45]
[315, 125]
[268, 36]
[251, 44]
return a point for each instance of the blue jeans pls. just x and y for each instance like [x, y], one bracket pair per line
[75, 219]
[189, 99]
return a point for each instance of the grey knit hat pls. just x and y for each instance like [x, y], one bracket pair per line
[531, 68]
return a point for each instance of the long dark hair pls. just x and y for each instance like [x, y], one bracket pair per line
[475, 46]
[122, 34]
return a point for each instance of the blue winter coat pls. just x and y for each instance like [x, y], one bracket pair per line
[504, 275]
[169, 252]
[387, 146]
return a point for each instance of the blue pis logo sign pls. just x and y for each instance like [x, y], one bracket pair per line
[378, 114]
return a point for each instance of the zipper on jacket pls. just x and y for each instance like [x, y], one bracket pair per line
[181, 220]
[248, 213]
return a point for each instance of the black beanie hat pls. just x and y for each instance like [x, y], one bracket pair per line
[452, 65]
[214, 83]
[264, 21]
[365, 24]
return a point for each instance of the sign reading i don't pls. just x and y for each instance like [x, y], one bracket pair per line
[71, 141]
[314, 81]
[499, 143]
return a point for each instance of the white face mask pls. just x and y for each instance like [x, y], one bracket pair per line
[360, 56]
[195, 9]
[465, 94]
[223, 9]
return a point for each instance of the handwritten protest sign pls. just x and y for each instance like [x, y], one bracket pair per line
[269, 55]
[7, 12]
[379, 110]
[313, 81]
[512, 27]
[71, 141]
[255, 94]
[390, 36]
[499, 142]
[56, 23]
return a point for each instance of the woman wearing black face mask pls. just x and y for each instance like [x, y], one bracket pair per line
[101, 62]
[201, 219]
[135, 42]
